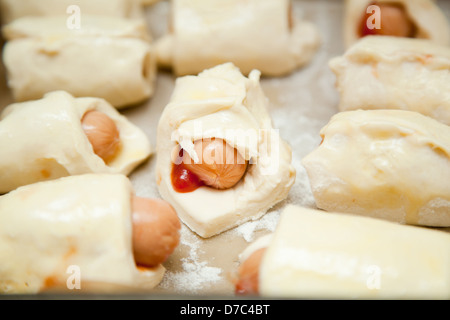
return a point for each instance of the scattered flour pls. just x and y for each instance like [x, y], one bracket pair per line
[196, 273]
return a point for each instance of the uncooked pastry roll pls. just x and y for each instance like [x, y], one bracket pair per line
[149, 2]
[14, 9]
[221, 104]
[403, 18]
[83, 224]
[256, 34]
[57, 26]
[315, 254]
[44, 139]
[389, 164]
[110, 58]
[390, 73]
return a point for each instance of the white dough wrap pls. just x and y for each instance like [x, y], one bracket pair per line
[381, 72]
[110, 58]
[321, 255]
[429, 20]
[389, 164]
[44, 139]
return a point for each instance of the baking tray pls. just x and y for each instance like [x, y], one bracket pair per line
[300, 105]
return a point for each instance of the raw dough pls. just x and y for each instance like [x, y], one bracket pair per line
[389, 164]
[256, 34]
[14, 9]
[381, 72]
[53, 231]
[109, 57]
[315, 254]
[43, 139]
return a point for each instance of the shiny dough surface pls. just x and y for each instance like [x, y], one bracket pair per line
[220, 102]
[44, 139]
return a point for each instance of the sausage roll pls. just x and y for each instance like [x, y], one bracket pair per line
[256, 34]
[390, 73]
[315, 254]
[219, 160]
[422, 19]
[109, 57]
[389, 164]
[71, 231]
[44, 139]
[14, 9]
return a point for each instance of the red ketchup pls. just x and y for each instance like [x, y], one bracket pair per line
[183, 180]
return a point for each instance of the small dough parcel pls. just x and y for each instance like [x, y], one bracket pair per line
[388, 164]
[44, 139]
[221, 103]
[109, 57]
[74, 231]
[424, 18]
[321, 255]
[255, 34]
[381, 72]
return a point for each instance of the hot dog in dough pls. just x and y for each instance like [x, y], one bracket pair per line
[49, 230]
[108, 57]
[44, 139]
[389, 164]
[221, 103]
[424, 18]
[256, 34]
[381, 72]
[315, 254]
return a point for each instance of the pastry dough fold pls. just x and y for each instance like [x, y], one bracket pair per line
[257, 34]
[429, 20]
[110, 58]
[381, 72]
[221, 103]
[314, 254]
[44, 139]
[51, 229]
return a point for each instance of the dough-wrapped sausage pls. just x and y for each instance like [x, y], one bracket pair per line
[381, 72]
[44, 139]
[420, 19]
[389, 164]
[89, 223]
[219, 160]
[321, 255]
[256, 34]
[109, 58]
